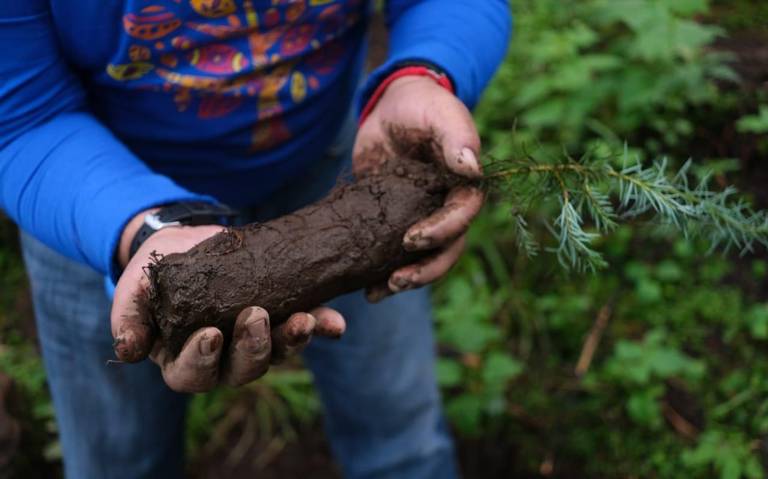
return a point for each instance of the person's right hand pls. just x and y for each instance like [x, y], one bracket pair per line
[199, 366]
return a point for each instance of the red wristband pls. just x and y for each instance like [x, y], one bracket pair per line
[415, 70]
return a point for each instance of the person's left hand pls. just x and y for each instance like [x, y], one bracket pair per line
[419, 104]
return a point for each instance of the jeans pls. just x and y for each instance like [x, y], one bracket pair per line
[382, 406]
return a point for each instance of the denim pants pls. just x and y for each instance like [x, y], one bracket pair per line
[382, 406]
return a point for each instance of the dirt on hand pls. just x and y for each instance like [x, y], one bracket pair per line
[350, 240]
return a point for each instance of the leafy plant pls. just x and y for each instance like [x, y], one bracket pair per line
[755, 123]
[583, 188]
[731, 454]
[20, 360]
[652, 366]
[603, 70]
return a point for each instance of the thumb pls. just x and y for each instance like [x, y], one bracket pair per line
[132, 328]
[131, 325]
[455, 130]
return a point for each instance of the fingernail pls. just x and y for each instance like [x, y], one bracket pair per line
[209, 345]
[416, 241]
[257, 328]
[468, 160]
[400, 283]
[309, 325]
[127, 337]
[124, 345]
[376, 294]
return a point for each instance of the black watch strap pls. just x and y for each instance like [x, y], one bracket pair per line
[193, 213]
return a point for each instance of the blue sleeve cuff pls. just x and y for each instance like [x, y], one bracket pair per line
[135, 195]
[70, 183]
[466, 39]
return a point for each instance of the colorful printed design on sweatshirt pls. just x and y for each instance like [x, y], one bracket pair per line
[217, 58]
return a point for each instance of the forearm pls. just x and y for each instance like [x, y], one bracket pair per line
[64, 177]
[466, 39]
[71, 184]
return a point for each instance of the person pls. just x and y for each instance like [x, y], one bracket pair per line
[126, 125]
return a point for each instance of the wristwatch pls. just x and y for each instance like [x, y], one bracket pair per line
[192, 213]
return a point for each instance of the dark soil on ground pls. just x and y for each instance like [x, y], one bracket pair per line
[308, 457]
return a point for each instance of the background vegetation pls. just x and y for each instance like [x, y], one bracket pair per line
[653, 367]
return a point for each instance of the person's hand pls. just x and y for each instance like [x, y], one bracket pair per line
[418, 105]
[202, 362]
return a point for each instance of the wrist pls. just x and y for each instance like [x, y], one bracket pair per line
[151, 221]
[399, 76]
[129, 232]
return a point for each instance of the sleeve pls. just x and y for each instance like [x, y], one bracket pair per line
[64, 178]
[467, 39]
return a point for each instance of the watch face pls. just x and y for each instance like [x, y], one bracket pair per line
[153, 221]
[183, 213]
[195, 213]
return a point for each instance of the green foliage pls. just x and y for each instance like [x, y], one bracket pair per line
[730, 454]
[465, 326]
[20, 360]
[679, 342]
[640, 362]
[605, 69]
[264, 415]
[584, 187]
[739, 15]
[674, 386]
[755, 123]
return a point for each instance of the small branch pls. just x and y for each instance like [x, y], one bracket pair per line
[697, 212]
[563, 187]
[524, 170]
[592, 341]
[679, 423]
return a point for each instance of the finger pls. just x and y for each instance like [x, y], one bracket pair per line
[455, 129]
[427, 270]
[330, 323]
[377, 292]
[291, 336]
[131, 328]
[251, 347]
[196, 369]
[369, 151]
[447, 223]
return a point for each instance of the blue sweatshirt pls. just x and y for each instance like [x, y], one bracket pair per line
[110, 107]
